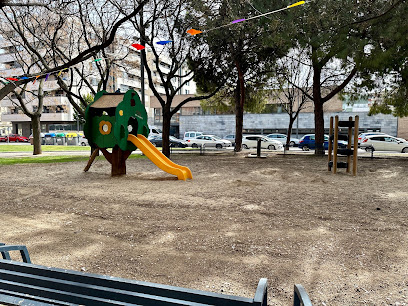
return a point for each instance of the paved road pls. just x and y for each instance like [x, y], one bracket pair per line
[361, 153]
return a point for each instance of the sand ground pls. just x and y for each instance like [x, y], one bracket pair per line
[285, 218]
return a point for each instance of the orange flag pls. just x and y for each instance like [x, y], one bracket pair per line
[194, 32]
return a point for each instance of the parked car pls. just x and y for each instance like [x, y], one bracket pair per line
[154, 130]
[230, 137]
[3, 138]
[17, 138]
[157, 141]
[283, 138]
[209, 141]
[384, 143]
[363, 135]
[83, 141]
[191, 135]
[251, 141]
[307, 142]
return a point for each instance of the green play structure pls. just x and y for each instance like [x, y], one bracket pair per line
[119, 121]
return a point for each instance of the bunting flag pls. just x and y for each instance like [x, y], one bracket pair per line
[138, 46]
[36, 79]
[164, 42]
[194, 32]
[296, 4]
[59, 73]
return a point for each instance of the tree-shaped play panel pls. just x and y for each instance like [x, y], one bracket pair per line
[119, 121]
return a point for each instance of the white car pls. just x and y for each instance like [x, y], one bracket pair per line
[191, 135]
[282, 138]
[251, 141]
[384, 143]
[363, 135]
[209, 141]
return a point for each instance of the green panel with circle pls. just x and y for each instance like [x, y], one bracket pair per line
[102, 131]
[131, 118]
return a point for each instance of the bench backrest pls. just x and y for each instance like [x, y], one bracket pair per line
[52, 285]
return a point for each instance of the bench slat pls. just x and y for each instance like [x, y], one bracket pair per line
[159, 291]
[73, 288]
[16, 298]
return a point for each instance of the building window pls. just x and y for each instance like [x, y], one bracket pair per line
[187, 91]
[157, 115]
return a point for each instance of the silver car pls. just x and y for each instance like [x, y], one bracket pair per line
[384, 143]
[282, 138]
[209, 141]
[251, 141]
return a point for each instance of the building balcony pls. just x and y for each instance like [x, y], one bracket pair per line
[48, 101]
[129, 82]
[7, 58]
[45, 117]
[6, 73]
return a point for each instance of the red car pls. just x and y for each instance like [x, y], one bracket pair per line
[17, 138]
[3, 138]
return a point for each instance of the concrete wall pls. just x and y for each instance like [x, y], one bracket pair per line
[222, 125]
[403, 127]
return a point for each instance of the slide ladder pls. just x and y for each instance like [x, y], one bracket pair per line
[158, 158]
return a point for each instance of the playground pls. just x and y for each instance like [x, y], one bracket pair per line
[286, 218]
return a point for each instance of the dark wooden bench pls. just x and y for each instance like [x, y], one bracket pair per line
[23, 283]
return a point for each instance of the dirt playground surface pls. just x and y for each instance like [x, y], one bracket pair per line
[285, 218]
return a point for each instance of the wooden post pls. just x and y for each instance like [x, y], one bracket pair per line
[349, 135]
[335, 143]
[91, 159]
[330, 142]
[356, 122]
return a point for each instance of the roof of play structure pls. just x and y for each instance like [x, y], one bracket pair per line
[108, 100]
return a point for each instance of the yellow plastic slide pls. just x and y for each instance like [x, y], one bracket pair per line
[158, 158]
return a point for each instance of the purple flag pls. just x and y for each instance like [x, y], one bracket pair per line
[46, 77]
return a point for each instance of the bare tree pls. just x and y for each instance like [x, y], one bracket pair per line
[52, 41]
[293, 79]
[63, 10]
[164, 20]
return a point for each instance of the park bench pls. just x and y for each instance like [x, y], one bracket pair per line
[24, 283]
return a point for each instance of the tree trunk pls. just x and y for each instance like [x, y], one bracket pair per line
[36, 124]
[318, 112]
[239, 109]
[290, 127]
[166, 132]
[119, 158]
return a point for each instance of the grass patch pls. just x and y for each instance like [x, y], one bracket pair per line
[38, 159]
[44, 148]
[41, 160]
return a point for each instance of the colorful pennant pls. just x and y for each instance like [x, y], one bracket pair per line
[59, 73]
[296, 4]
[194, 32]
[36, 79]
[138, 46]
[164, 42]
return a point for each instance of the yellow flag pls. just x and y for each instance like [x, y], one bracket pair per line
[296, 4]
